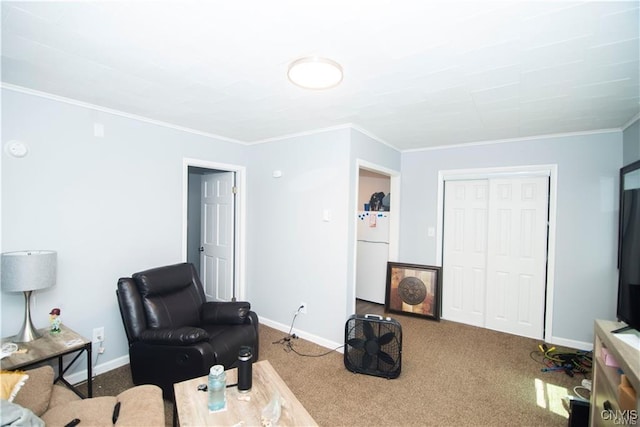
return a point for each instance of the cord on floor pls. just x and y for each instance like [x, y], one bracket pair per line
[569, 362]
[287, 341]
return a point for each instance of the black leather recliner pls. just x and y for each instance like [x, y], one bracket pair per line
[174, 333]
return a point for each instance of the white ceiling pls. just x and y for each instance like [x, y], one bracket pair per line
[417, 73]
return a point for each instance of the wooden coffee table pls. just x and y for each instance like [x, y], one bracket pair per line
[245, 408]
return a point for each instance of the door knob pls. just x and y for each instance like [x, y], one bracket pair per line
[201, 249]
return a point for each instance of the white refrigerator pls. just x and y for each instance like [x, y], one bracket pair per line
[372, 255]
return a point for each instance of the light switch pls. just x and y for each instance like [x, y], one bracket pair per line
[98, 130]
[326, 215]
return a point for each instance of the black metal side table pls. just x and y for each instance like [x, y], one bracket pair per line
[52, 346]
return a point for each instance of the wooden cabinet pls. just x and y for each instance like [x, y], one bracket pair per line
[605, 403]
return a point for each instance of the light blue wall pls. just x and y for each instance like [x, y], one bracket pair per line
[292, 253]
[110, 206]
[585, 265]
[631, 138]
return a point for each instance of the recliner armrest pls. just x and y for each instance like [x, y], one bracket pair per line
[225, 313]
[186, 335]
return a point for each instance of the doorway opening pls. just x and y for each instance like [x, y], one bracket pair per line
[376, 232]
[213, 224]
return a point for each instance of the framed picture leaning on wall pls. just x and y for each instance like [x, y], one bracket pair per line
[413, 289]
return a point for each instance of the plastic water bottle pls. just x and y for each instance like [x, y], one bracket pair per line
[217, 388]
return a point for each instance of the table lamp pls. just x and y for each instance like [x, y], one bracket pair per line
[27, 271]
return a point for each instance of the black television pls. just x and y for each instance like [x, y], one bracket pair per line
[628, 306]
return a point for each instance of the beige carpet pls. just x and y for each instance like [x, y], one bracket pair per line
[452, 375]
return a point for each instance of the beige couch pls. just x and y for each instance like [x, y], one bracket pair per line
[57, 405]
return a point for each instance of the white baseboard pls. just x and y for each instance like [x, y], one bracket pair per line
[580, 345]
[81, 376]
[331, 345]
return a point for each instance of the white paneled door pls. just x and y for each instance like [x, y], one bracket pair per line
[494, 253]
[217, 250]
[465, 251]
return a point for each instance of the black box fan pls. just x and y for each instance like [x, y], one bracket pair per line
[373, 345]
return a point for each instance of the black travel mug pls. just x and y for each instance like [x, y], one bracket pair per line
[245, 364]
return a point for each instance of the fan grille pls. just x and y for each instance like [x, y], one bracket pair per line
[373, 347]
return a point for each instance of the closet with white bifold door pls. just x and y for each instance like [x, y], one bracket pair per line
[494, 253]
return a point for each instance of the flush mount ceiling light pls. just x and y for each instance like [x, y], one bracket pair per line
[315, 73]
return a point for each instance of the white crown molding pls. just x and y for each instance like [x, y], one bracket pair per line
[631, 121]
[95, 107]
[374, 137]
[519, 139]
[298, 134]
[327, 129]
[352, 126]
[90, 106]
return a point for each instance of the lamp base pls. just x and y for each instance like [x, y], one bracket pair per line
[27, 332]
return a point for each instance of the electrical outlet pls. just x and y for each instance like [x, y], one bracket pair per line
[98, 334]
[303, 308]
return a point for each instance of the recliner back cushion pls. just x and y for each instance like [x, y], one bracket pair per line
[171, 296]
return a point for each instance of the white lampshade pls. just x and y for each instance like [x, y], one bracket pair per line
[315, 73]
[28, 270]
